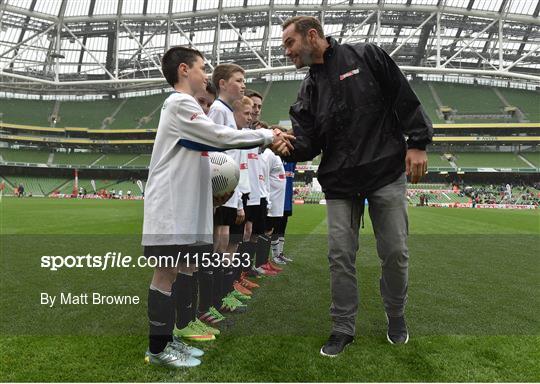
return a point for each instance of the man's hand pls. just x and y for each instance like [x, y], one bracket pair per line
[219, 201]
[416, 164]
[240, 217]
[282, 143]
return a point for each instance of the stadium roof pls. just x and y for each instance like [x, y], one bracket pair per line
[115, 45]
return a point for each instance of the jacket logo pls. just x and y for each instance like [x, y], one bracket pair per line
[194, 116]
[243, 166]
[349, 74]
[253, 156]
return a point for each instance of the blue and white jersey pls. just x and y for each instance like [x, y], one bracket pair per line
[178, 197]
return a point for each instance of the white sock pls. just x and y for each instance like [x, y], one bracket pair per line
[281, 245]
[159, 290]
[275, 248]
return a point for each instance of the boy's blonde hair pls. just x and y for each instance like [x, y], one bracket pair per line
[243, 101]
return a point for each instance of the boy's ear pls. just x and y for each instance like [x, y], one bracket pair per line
[221, 83]
[182, 69]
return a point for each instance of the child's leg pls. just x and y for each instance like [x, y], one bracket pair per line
[161, 308]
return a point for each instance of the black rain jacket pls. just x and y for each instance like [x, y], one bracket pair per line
[356, 109]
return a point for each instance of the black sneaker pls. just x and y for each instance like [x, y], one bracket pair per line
[397, 330]
[336, 344]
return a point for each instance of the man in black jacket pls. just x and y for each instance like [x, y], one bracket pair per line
[356, 107]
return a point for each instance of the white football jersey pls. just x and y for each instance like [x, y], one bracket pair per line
[276, 183]
[221, 113]
[178, 197]
[254, 170]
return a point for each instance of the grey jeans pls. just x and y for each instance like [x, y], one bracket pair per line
[388, 212]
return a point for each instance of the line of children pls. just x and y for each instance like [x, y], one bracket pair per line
[178, 205]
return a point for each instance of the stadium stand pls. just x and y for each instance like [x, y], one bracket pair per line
[146, 108]
[532, 157]
[115, 159]
[143, 111]
[34, 185]
[424, 94]
[527, 101]
[496, 160]
[89, 114]
[32, 112]
[435, 160]
[76, 158]
[24, 155]
[140, 161]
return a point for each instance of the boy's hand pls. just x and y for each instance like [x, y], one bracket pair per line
[240, 217]
[219, 201]
[282, 143]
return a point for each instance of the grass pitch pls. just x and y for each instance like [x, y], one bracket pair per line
[473, 309]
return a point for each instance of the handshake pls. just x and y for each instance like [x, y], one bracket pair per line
[281, 145]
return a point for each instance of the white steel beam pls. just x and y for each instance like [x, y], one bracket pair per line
[20, 51]
[288, 69]
[359, 27]
[89, 52]
[142, 47]
[191, 42]
[245, 41]
[469, 43]
[412, 34]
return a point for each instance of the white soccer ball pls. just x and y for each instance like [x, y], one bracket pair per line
[224, 173]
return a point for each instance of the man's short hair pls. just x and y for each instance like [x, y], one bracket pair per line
[224, 72]
[302, 24]
[252, 93]
[173, 58]
[243, 101]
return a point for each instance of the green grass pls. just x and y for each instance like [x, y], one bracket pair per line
[473, 302]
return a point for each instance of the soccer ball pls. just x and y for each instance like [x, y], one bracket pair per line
[224, 173]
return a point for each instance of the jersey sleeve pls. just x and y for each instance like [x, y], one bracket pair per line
[198, 132]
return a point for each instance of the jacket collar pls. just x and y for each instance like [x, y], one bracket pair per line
[328, 53]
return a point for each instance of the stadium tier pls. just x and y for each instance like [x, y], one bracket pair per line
[467, 99]
[426, 98]
[24, 156]
[139, 112]
[140, 161]
[115, 159]
[495, 160]
[436, 160]
[144, 111]
[532, 157]
[528, 103]
[75, 158]
[34, 185]
[89, 114]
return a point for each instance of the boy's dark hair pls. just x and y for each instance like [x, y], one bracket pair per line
[211, 89]
[302, 24]
[224, 72]
[252, 93]
[173, 58]
[262, 124]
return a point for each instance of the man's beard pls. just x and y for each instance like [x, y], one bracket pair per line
[306, 54]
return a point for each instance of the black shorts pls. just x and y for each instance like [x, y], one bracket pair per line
[257, 215]
[225, 216]
[273, 222]
[171, 253]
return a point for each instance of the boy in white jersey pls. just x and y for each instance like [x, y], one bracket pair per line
[258, 244]
[228, 79]
[276, 191]
[186, 286]
[178, 197]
